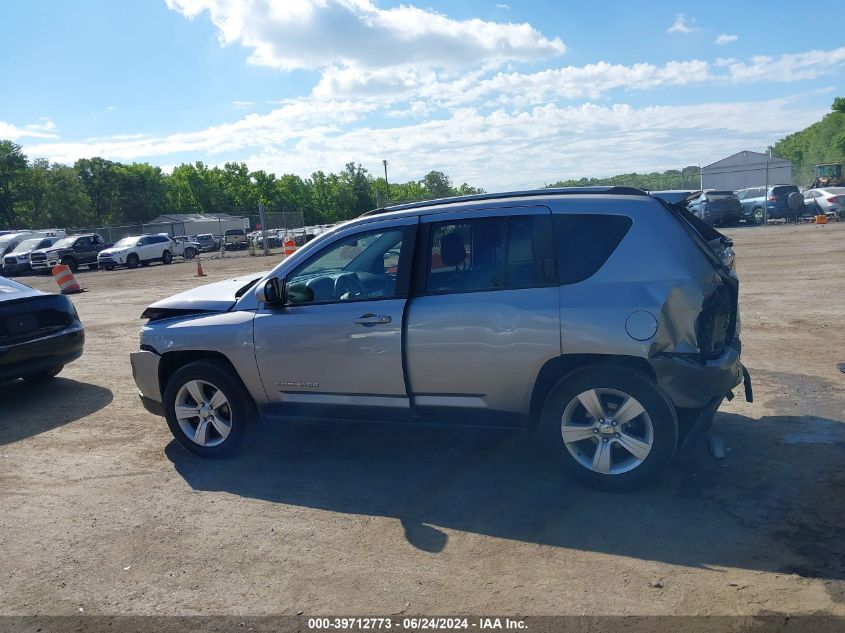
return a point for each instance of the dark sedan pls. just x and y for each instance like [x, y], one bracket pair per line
[40, 332]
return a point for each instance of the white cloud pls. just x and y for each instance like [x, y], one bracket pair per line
[319, 34]
[724, 38]
[495, 149]
[680, 25]
[45, 128]
[504, 7]
[242, 105]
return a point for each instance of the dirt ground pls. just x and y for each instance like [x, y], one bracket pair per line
[101, 511]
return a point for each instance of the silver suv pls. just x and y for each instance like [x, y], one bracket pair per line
[603, 318]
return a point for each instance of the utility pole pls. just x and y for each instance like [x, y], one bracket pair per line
[386, 184]
[263, 228]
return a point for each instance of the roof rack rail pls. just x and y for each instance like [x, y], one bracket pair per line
[611, 190]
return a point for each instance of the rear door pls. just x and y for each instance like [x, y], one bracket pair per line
[484, 316]
[335, 349]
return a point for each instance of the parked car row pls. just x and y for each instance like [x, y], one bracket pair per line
[39, 254]
[753, 205]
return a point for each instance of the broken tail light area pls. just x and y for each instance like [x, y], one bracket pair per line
[714, 324]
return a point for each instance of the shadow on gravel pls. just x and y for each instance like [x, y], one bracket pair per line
[27, 409]
[775, 503]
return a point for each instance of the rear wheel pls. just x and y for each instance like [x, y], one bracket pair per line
[43, 376]
[132, 261]
[207, 408]
[610, 427]
[166, 257]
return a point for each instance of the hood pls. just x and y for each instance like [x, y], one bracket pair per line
[12, 290]
[114, 251]
[216, 297]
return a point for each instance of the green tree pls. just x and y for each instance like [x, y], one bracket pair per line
[99, 179]
[13, 168]
[141, 193]
[437, 184]
[65, 203]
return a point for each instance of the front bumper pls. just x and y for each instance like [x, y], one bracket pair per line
[16, 267]
[44, 264]
[692, 385]
[42, 354]
[145, 372]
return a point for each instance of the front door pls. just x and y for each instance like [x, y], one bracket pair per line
[334, 350]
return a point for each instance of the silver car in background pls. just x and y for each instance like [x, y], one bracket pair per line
[830, 200]
[604, 319]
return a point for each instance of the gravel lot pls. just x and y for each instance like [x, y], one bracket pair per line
[100, 510]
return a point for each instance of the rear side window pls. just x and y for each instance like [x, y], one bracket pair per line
[585, 242]
[484, 254]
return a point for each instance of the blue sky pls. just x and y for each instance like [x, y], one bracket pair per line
[496, 94]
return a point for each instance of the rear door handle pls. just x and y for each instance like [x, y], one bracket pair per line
[370, 319]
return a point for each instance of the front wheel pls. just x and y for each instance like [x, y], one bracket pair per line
[610, 427]
[207, 408]
[70, 262]
[132, 261]
[166, 257]
[189, 253]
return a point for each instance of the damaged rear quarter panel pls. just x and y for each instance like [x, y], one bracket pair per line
[657, 268]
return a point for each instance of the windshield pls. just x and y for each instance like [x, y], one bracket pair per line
[65, 242]
[27, 245]
[126, 241]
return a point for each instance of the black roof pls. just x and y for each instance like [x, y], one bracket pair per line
[610, 190]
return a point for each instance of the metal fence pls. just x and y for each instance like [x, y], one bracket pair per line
[112, 234]
[278, 220]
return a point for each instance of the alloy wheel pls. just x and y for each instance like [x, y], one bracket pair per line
[203, 413]
[607, 431]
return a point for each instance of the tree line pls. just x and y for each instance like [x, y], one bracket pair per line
[98, 192]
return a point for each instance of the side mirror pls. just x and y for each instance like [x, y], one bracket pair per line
[271, 291]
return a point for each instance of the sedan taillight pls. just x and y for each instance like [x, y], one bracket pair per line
[833, 199]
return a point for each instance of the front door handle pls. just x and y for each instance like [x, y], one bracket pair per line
[370, 319]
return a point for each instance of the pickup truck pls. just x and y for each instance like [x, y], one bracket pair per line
[73, 251]
[235, 239]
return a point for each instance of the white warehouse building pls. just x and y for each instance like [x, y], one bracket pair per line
[746, 169]
[198, 223]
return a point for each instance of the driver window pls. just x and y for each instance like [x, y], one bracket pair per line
[354, 268]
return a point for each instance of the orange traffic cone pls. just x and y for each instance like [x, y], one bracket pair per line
[290, 248]
[65, 279]
[199, 267]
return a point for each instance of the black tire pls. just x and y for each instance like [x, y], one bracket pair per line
[133, 261]
[43, 376]
[641, 387]
[240, 405]
[757, 216]
[110, 267]
[189, 253]
[166, 257]
[70, 262]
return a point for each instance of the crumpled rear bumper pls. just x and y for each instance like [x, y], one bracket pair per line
[692, 384]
